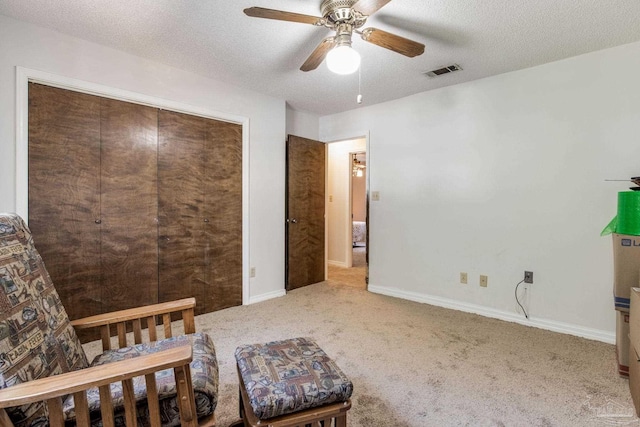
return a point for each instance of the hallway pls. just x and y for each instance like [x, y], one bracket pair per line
[354, 276]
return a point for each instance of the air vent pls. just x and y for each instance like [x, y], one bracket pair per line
[445, 70]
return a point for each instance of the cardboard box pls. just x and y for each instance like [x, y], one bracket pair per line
[626, 268]
[634, 347]
[622, 343]
[634, 378]
[634, 319]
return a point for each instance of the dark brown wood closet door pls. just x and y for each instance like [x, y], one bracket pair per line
[223, 215]
[200, 211]
[64, 132]
[131, 205]
[305, 211]
[181, 175]
[129, 200]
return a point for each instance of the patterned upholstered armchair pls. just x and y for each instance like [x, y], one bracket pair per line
[45, 378]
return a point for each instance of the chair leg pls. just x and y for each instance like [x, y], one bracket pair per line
[209, 421]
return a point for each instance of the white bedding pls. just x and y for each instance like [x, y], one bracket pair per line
[359, 232]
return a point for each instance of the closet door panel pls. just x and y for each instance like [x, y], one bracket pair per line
[130, 205]
[223, 210]
[180, 207]
[64, 188]
[129, 200]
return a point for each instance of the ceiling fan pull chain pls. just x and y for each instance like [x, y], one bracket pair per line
[359, 97]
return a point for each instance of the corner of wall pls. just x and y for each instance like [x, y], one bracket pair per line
[302, 123]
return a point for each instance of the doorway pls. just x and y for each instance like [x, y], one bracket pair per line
[347, 178]
[359, 208]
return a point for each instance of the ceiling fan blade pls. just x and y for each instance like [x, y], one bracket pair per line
[261, 12]
[393, 42]
[369, 7]
[318, 55]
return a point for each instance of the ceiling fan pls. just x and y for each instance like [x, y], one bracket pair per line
[345, 17]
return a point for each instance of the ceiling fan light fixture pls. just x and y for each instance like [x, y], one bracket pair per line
[343, 60]
[345, 17]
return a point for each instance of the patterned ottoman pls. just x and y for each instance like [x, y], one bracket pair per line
[290, 383]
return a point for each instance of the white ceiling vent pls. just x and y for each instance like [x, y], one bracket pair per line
[445, 70]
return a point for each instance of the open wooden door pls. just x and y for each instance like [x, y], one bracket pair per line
[305, 212]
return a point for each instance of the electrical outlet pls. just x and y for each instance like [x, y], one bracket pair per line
[252, 272]
[528, 277]
[463, 278]
[484, 281]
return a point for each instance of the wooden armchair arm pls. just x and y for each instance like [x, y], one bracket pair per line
[51, 389]
[135, 316]
[134, 313]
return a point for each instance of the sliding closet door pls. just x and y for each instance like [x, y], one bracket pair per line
[64, 192]
[223, 213]
[129, 201]
[181, 172]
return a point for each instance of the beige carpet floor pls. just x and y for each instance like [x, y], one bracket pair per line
[359, 256]
[354, 276]
[417, 365]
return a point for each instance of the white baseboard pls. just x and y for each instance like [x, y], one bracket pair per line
[337, 263]
[551, 325]
[267, 296]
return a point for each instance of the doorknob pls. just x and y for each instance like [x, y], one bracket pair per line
[295, 221]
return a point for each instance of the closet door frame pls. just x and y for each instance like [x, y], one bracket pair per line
[26, 75]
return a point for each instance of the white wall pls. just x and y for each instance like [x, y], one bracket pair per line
[302, 123]
[502, 175]
[26, 45]
[338, 203]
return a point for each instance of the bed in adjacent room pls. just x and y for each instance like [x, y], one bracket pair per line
[359, 233]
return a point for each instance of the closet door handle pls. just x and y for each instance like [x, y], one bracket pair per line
[98, 221]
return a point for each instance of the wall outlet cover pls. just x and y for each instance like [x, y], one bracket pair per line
[528, 277]
[484, 281]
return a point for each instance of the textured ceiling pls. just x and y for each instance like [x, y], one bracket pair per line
[214, 38]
